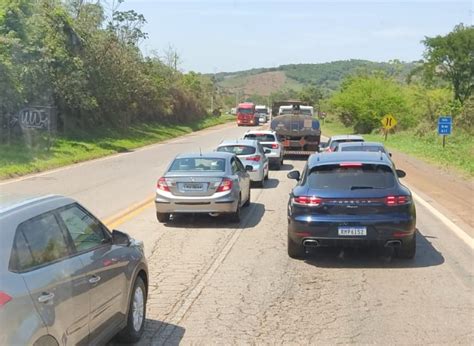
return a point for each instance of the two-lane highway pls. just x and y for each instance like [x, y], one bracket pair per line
[110, 185]
[212, 281]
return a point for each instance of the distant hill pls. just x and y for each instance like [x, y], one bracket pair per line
[328, 76]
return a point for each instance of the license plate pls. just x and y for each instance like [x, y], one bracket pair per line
[193, 186]
[352, 231]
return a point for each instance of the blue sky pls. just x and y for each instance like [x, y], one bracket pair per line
[226, 35]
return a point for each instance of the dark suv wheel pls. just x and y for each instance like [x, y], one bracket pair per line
[408, 248]
[295, 250]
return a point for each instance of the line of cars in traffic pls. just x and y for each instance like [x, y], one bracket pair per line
[65, 278]
[218, 182]
[349, 194]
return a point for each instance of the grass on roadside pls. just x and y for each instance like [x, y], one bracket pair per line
[19, 159]
[458, 153]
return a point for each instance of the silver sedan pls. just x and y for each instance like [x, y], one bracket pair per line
[212, 183]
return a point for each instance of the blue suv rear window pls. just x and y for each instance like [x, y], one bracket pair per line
[350, 177]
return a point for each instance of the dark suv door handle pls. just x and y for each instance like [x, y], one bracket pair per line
[94, 279]
[45, 297]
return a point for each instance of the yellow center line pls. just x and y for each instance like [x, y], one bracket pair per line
[129, 213]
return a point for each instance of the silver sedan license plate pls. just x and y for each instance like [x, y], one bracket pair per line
[193, 186]
[352, 231]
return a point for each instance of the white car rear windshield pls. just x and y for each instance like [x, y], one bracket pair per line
[261, 137]
[238, 149]
[351, 177]
[198, 164]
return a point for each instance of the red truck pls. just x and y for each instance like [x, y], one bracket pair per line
[246, 114]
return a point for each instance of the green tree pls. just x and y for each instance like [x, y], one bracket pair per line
[364, 100]
[452, 58]
[310, 94]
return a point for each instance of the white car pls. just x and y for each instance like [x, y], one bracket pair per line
[251, 153]
[262, 112]
[269, 140]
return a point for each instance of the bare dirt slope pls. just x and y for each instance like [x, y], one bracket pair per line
[446, 190]
[261, 84]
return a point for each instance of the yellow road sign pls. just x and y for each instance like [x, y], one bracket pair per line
[389, 122]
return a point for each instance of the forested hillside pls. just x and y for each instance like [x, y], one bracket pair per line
[327, 76]
[83, 59]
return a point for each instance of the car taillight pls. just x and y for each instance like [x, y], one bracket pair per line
[254, 158]
[4, 298]
[310, 201]
[397, 200]
[226, 185]
[275, 146]
[162, 185]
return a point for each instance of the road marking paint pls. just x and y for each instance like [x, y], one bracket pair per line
[189, 300]
[129, 213]
[451, 225]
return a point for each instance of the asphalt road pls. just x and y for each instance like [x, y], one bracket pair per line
[217, 282]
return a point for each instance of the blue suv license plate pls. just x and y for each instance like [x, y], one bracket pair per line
[352, 231]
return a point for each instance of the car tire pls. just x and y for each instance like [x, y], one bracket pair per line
[408, 248]
[278, 165]
[162, 217]
[136, 314]
[235, 216]
[295, 250]
[266, 176]
[247, 202]
[260, 183]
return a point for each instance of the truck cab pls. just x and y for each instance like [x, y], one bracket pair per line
[246, 114]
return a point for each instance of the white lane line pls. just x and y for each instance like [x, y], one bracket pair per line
[451, 225]
[161, 337]
[197, 290]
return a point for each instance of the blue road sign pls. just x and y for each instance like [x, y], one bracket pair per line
[445, 125]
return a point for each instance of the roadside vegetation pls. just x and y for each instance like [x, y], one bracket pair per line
[458, 153]
[82, 59]
[17, 159]
[442, 85]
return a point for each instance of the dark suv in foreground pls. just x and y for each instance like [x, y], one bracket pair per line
[350, 199]
[65, 279]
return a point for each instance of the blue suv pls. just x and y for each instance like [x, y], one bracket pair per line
[350, 199]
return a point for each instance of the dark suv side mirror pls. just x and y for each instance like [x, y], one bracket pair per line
[401, 173]
[120, 238]
[294, 175]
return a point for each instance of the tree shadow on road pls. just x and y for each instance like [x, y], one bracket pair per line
[156, 333]
[250, 217]
[426, 256]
